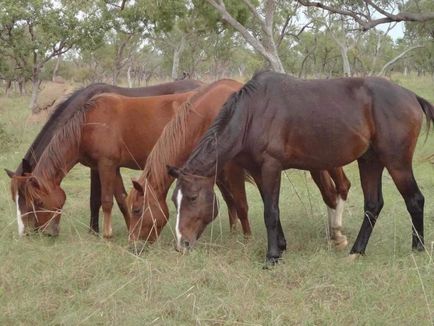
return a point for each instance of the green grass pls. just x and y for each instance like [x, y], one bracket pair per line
[81, 279]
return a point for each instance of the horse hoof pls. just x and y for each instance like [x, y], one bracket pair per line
[108, 236]
[351, 258]
[419, 247]
[270, 262]
[341, 243]
[93, 232]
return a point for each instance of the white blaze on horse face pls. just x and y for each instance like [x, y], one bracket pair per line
[178, 213]
[19, 217]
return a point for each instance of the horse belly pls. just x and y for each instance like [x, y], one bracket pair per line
[325, 148]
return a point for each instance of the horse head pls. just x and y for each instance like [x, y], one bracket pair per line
[148, 213]
[196, 206]
[39, 204]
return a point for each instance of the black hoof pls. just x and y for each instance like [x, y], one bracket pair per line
[270, 262]
[419, 247]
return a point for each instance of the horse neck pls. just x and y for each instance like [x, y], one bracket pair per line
[174, 152]
[53, 165]
[220, 144]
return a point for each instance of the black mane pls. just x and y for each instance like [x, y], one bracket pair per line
[60, 115]
[208, 144]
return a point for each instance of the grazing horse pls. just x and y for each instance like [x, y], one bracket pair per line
[75, 102]
[109, 132]
[276, 122]
[147, 200]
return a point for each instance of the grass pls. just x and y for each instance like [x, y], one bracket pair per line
[81, 279]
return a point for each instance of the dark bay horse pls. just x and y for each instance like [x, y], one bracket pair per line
[276, 122]
[74, 102]
[109, 132]
[149, 212]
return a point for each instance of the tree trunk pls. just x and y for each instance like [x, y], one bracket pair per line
[345, 62]
[130, 81]
[56, 68]
[397, 58]
[176, 57]
[35, 91]
[264, 44]
[8, 87]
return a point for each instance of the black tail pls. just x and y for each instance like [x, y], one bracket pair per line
[428, 109]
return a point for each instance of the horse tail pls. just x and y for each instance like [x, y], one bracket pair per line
[428, 109]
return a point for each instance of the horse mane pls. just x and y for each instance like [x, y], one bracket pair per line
[60, 115]
[208, 142]
[67, 135]
[170, 143]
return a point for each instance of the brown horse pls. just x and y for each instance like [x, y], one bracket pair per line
[75, 102]
[111, 131]
[276, 122]
[148, 198]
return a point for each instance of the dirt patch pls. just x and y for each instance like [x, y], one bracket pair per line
[51, 94]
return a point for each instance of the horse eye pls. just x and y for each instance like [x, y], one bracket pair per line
[137, 210]
[192, 197]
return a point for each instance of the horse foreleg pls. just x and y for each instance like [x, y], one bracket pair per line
[107, 174]
[334, 187]
[233, 179]
[121, 198]
[95, 201]
[269, 186]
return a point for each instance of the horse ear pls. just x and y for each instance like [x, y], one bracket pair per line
[10, 173]
[138, 187]
[27, 168]
[173, 171]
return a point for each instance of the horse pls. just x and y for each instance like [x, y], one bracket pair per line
[67, 108]
[276, 122]
[147, 199]
[110, 131]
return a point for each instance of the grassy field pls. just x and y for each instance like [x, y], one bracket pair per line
[78, 278]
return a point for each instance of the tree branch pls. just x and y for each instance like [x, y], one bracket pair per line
[365, 21]
[398, 57]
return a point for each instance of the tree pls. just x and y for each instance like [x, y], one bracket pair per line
[365, 12]
[261, 39]
[34, 32]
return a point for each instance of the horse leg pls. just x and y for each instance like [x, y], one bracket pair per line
[270, 191]
[371, 170]
[230, 202]
[414, 200]
[107, 174]
[95, 201]
[335, 206]
[342, 187]
[121, 198]
[234, 176]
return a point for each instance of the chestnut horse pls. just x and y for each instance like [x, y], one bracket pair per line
[147, 200]
[109, 132]
[73, 103]
[276, 122]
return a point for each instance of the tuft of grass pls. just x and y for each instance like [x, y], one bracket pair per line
[81, 279]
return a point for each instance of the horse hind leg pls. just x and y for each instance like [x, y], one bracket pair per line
[334, 187]
[371, 170]
[107, 173]
[414, 200]
[234, 177]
